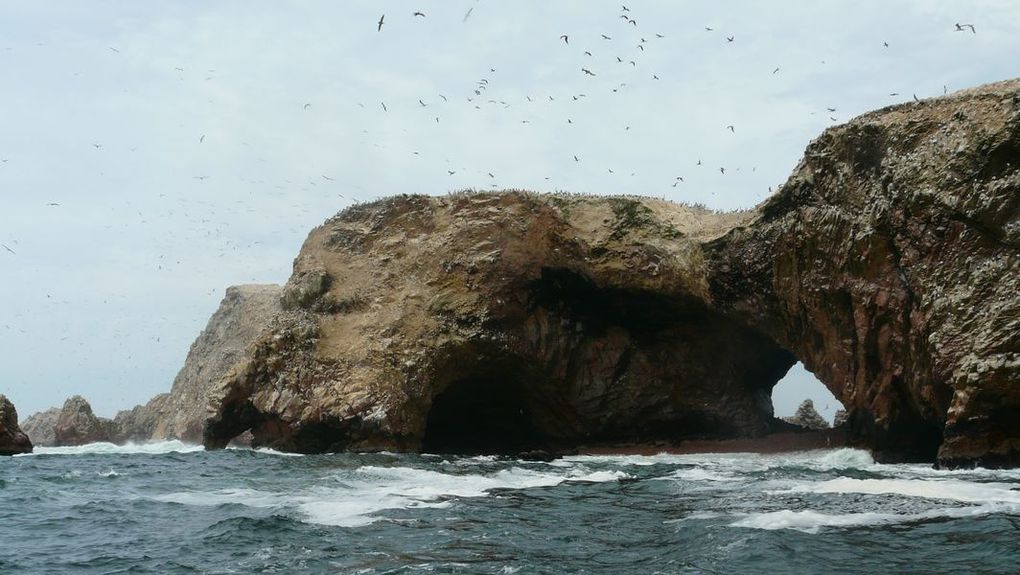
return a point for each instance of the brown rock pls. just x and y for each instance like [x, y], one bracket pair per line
[77, 425]
[889, 264]
[12, 439]
[501, 322]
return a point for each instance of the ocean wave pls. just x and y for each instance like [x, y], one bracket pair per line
[370, 489]
[810, 521]
[102, 448]
[951, 490]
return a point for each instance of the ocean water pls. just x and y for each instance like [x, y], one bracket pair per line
[174, 508]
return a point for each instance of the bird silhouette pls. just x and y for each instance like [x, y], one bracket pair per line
[565, 38]
[962, 27]
[379, 27]
[9, 249]
[422, 14]
[604, 37]
[625, 9]
[384, 106]
[587, 71]
[731, 129]
[729, 38]
[587, 53]
[423, 104]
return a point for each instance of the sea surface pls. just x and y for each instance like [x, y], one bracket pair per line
[175, 508]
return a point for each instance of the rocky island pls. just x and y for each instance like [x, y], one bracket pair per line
[502, 322]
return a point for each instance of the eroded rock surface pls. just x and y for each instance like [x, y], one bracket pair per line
[501, 322]
[78, 425]
[40, 427]
[889, 264]
[12, 439]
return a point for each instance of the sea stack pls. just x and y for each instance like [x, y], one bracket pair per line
[12, 440]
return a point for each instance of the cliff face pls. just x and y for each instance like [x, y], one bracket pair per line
[12, 439]
[181, 413]
[40, 427]
[889, 264]
[500, 322]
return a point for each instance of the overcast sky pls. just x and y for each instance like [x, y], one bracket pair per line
[192, 145]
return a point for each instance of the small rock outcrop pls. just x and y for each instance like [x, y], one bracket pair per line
[12, 439]
[807, 417]
[77, 425]
[840, 418]
[243, 314]
[40, 427]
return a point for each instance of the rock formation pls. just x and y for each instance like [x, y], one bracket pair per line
[840, 418]
[806, 417]
[501, 322]
[12, 439]
[40, 427]
[888, 264]
[77, 425]
[180, 414]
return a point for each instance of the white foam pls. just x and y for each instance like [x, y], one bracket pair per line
[351, 500]
[946, 489]
[703, 474]
[810, 521]
[102, 448]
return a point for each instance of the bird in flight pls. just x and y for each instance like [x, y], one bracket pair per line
[708, 29]
[587, 53]
[831, 109]
[731, 129]
[565, 38]
[306, 106]
[657, 35]
[423, 104]
[576, 159]
[422, 14]
[722, 170]
[729, 38]
[328, 178]
[384, 107]
[886, 44]
[962, 27]
[776, 70]
[9, 249]
[587, 71]
[201, 139]
[625, 9]
[451, 172]
[379, 27]
[53, 204]
[632, 22]
[444, 98]
[604, 37]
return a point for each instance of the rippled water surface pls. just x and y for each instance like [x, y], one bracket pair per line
[172, 508]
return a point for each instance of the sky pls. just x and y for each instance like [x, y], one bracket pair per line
[154, 153]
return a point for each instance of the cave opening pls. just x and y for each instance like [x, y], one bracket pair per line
[799, 385]
[481, 415]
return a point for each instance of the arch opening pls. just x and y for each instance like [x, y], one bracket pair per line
[799, 385]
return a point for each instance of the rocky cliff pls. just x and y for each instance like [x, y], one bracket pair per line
[40, 427]
[509, 321]
[501, 322]
[807, 417]
[180, 414]
[889, 264]
[12, 439]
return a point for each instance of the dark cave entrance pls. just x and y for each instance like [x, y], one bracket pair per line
[481, 415]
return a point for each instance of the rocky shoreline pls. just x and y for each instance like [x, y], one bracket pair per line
[889, 264]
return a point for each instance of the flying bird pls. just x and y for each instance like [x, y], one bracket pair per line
[328, 178]
[731, 129]
[384, 107]
[9, 249]
[831, 109]
[722, 170]
[444, 98]
[657, 35]
[379, 27]
[604, 37]
[587, 71]
[776, 70]
[451, 172]
[422, 14]
[886, 44]
[729, 38]
[53, 204]
[587, 53]
[201, 139]
[707, 29]
[625, 9]
[632, 22]
[640, 47]
[576, 159]
[306, 106]
[422, 103]
[565, 38]
[962, 27]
